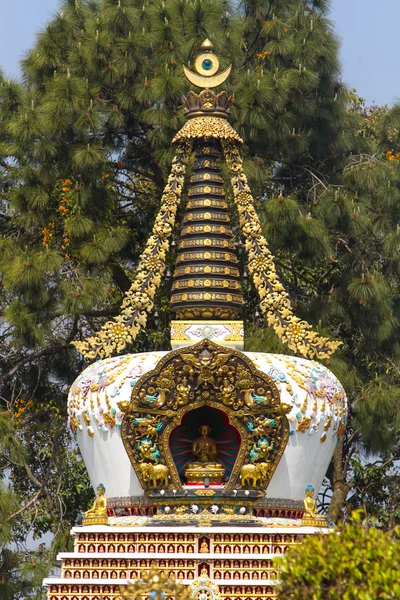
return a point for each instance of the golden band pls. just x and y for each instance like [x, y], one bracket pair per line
[219, 256]
[207, 243]
[207, 283]
[212, 177]
[206, 189]
[206, 202]
[207, 312]
[206, 163]
[206, 270]
[206, 216]
[199, 229]
[206, 297]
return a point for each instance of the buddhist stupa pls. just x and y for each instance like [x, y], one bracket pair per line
[204, 452]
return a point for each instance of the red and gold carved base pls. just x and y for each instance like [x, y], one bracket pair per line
[196, 474]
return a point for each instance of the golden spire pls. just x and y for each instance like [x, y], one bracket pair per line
[207, 65]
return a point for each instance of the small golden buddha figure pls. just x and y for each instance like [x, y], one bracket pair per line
[183, 392]
[204, 448]
[97, 515]
[311, 516]
[205, 451]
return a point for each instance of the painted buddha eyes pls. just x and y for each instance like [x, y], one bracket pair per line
[207, 64]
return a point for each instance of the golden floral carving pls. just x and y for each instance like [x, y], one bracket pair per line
[274, 300]
[207, 127]
[138, 302]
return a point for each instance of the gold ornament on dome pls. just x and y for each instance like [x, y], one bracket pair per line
[204, 588]
[154, 585]
[217, 380]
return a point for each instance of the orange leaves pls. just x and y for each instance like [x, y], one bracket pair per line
[263, 54]
[21, 406]
[390, 156]
[47, 233]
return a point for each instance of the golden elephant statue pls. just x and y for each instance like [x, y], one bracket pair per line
[254, 475]
[154, 476]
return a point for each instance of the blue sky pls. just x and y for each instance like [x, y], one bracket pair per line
[368, 31]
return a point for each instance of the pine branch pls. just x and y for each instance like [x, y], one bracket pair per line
[55, 349]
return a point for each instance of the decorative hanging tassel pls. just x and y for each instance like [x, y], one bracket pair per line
[138, 302]
[274, 300]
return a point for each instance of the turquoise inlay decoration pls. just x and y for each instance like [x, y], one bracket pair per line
[207, 64]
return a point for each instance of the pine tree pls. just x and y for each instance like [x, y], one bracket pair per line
[21, 569]
[85, 148]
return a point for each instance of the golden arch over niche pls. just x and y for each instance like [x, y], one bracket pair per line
[209, 378]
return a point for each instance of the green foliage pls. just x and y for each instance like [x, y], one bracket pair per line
[357, 563]
[375, 491]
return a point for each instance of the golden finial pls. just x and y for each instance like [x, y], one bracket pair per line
[207, 45]
[207, 65]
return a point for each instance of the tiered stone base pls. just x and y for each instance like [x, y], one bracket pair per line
[240, 560]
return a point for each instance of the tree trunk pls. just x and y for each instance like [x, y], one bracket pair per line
[339, 483]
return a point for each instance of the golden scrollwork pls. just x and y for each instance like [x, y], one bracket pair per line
[207, 127]
[274, 300]
[116, 334]
[179, 330]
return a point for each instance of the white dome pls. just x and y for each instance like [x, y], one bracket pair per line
[318, 415]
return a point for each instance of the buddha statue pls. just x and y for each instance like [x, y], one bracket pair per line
[205, 451]
[97, 515]
[311, 517]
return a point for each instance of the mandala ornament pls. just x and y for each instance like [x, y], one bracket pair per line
[205, 411]
[204, 588]
[154, 585]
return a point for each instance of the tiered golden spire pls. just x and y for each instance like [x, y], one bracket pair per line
[207, 124]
